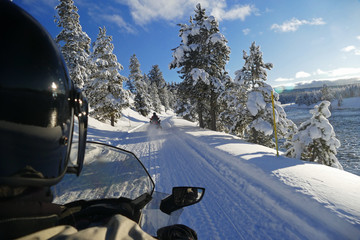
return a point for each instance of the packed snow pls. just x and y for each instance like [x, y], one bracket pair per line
[250, 192]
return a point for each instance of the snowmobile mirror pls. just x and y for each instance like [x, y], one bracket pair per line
[181, 197]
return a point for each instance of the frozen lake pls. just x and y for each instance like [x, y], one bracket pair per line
[346, 123]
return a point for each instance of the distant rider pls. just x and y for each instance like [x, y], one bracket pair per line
[154, 118]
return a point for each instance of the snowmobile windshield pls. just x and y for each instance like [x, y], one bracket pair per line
[108, 173]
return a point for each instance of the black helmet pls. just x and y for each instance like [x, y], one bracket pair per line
[38, 102]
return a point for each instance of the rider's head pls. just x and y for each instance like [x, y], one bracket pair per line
[38, 103]
[154, 113]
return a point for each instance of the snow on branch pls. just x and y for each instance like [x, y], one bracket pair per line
[217, 37]
[255, 102]
[198, 74]
[262, 126]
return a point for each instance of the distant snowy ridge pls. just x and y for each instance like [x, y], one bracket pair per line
[319, 83]
[347, 103]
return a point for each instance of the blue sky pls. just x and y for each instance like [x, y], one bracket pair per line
[305, 40]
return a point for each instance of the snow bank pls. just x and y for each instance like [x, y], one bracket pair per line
[337, 190]
[333, 189]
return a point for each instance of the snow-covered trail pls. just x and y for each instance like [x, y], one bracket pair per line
[241, 201]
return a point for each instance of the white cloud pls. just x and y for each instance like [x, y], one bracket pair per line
[331, 75]
[319, 72]
[348, 48]
[358, 37]
[119, 21]
[321, 75]
[351, 49]
[339, 72]
[100, 13]
[246, 31]
[145, 11]
[294, 24]
[236, 12]
[283, 79]
[302, 74]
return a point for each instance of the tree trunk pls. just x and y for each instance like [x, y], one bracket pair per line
[213, 110]
[112, 119]
[200, 113]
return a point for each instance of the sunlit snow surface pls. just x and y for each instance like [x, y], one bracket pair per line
[250, 193]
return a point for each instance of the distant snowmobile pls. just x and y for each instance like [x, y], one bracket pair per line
[155, 121]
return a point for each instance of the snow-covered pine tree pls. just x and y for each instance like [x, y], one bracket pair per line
[233, 115]
[165, 97]
[259, 112]
[316, 140]
[201, 57]
[74, 42]
[156, 78]
[154, 96]
[135, 74]
[138, 85]
[250, 100]
[253, 74]
[105, 92]
[326, 93]
[173, 89]
[184, 106]
[143, 102]
[252, 104]
[340, 100]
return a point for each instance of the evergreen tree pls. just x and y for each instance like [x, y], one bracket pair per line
[106, 95]
[74, 43]
[253, 74]
[143, 102]
[247, 110]
[201, 57]
[316, 140]
[154, 96]
[326, 94]
[164, 97]
[184, 107]
[252, 100]
[135, 74]
[155, 76]
[234, 115]
[340, 101]
[259, 112]
[137, 84]
[173, 92]
[157, 80]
